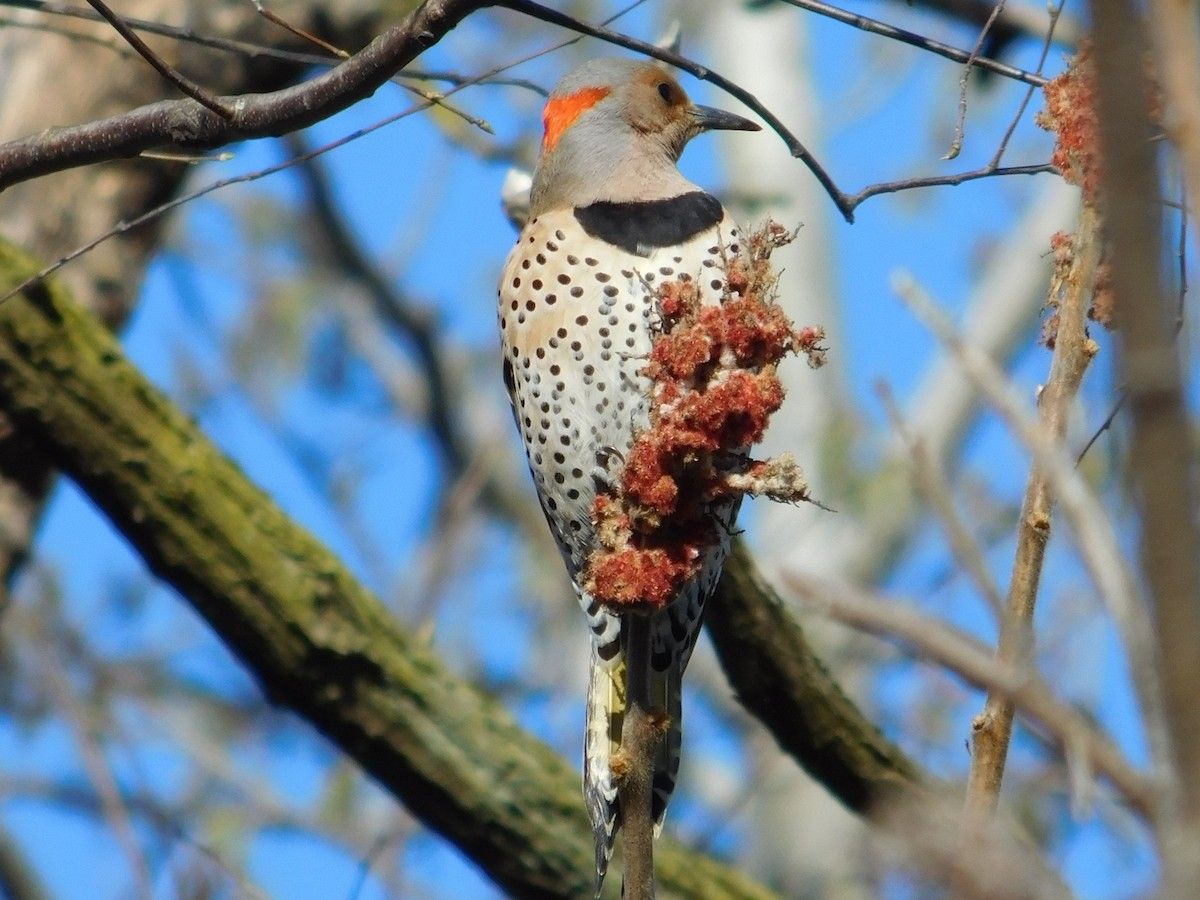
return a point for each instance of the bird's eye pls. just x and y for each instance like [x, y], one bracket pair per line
[664, 91]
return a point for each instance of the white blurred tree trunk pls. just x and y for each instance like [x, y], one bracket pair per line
[803, 841]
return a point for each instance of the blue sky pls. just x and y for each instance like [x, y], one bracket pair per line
[199, 295]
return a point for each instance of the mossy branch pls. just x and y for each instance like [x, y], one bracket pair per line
[317, 642]
[782, 682]
[323, 646]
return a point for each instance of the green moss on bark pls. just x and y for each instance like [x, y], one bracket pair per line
[316, 641]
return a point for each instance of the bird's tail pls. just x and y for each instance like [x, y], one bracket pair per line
[605, 717]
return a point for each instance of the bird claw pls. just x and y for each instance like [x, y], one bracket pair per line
[609, 462]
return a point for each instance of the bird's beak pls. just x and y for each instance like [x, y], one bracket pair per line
[708, 119]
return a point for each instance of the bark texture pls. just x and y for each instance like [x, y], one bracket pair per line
[54, 214]
[317, 642]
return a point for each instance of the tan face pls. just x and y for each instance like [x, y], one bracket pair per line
[656, 104]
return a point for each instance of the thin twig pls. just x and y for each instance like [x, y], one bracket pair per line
[1104, 426]
[366, 862]
[299, 32]
[163, 818]
[105, 40]
[908, 184]
[1073, 733]
[930, 482]
[419, 327]
[916, 40]
[961, 125]
[177, 78]
[1095, 537]
[1181, 255]
[1070, 294]
[1055, 14]
[99, 772]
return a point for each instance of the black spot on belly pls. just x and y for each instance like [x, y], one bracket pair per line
[642, 227]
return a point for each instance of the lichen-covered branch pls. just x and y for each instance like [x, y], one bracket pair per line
[779, 679]
[317, 642]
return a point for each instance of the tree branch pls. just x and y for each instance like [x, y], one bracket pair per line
[917, 40]
[1162, 463]
[188, 124]
[1070, 731]
[779, 679]
[315, 640]
[1071, 295]
[181, 81]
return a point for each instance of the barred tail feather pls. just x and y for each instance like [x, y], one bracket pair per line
[605, 715]
[666, 764]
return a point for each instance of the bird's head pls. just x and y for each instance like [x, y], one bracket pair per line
[614, 130]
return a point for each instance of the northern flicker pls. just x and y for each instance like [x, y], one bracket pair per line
[611, 217]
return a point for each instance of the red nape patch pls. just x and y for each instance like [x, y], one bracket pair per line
[561, 112]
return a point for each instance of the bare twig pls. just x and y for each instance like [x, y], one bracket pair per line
[419, 327]
[1181, 256]
[892, 187]
[415, 325]
[165, 819]
[98, 771]
[916, 40]
[1104, 426]
[298, 32]
[176, 32]
[930, 482]
[1095, 536]
[1073, 733]
[1055, 15]
[964, 79]
[1071, 294]
[181, 81]
[105, 39]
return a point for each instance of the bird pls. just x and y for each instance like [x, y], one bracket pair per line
[611, 218]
